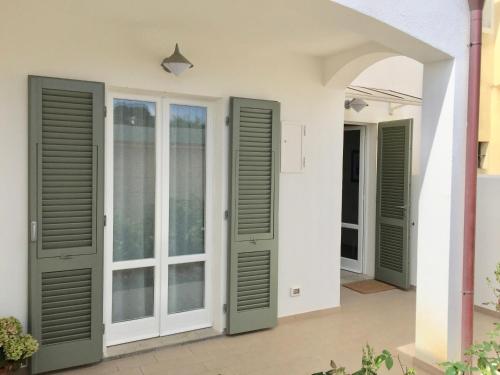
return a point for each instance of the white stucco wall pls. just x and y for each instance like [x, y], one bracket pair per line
[35, 39]
[427, 20]
[401, 74]
[443, 50]
[117, 55]
[487, 238]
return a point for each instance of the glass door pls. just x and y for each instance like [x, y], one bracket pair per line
[156, 236]
[186, 261]
[352, 200]
[134, 257]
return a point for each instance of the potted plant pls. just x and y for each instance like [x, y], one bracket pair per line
[15, 347]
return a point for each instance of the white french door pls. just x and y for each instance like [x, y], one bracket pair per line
[185, 262]
[157, 253]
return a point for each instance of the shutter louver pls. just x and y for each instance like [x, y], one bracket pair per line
[392, 195]
[393, 202]
[255, 172]
[66, 306]
[254, 275]
[66, 176]
[253, 252]
[67, 169]
[391, 243]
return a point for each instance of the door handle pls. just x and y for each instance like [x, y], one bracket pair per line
[33, 231]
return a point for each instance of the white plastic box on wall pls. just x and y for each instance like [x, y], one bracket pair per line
[292, 148]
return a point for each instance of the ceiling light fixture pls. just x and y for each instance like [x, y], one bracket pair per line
[356, 104]
[176, 63]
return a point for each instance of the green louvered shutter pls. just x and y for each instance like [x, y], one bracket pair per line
[393, 202]
[253, 249]
[66, 177]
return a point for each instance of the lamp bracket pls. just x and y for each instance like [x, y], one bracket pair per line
[393, 107]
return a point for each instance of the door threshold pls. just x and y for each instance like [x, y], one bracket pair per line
[349, 276]
[122, 350]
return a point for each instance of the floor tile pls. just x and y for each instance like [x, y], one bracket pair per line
[298, 346]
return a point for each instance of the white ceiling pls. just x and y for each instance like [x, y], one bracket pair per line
[302, 26]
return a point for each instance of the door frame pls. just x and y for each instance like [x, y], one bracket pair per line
[345, 263]
[158, 325]
[140, 329]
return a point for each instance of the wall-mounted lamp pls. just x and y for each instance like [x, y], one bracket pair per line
[176, 63]
[356, 104]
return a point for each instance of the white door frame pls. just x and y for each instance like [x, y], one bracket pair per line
[159, 324]
[346, 263]
[202, 318]
[118, 333]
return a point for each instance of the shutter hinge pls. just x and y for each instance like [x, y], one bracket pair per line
[105, 219]
[224, 308]
[226, 214]
[227, 120]
[305, 131]
[304, 162]
[105, 111]
[103, 328]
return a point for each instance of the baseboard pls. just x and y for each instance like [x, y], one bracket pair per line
[147, 345]
[484, 310]
[308, 315]
[409, 358]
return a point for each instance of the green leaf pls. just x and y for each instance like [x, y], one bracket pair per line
[451, 370]
[389, 362]
[379, 360]
[461, 366]
[482, 363]
[445, 364]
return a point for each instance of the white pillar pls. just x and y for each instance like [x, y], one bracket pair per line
[440, 219]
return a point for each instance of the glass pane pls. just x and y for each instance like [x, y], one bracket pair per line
[134, 179]
[186, 287]
[133, 294]
[349, 243]
[350, 180]
[187, 180]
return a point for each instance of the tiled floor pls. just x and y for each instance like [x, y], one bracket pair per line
[299, 345]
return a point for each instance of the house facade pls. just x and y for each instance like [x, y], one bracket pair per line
[490, 101]
[157, 202]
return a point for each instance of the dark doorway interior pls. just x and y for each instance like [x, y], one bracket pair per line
[350, 251]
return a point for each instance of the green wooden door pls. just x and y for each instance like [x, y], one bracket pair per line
[393, 202]
[66, 178]
[253, 230]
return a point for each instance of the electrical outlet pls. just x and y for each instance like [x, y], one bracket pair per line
[295, 291]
